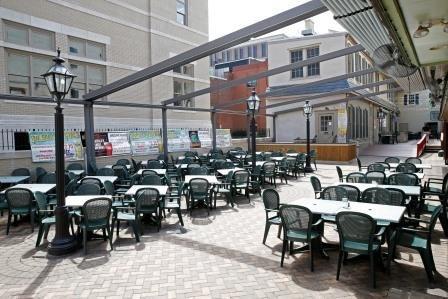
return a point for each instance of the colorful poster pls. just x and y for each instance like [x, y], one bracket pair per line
[223, 138]
[102, 145]
[342, 126]
[194, 139]
[178, 140]
[205, 138]
[43, 146]
[145, 142]
[120, 143]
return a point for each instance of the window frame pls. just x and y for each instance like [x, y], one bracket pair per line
[297, 72]
[188, 102]
[314, 68]
[86, 82]
[29, 31]
[184, 15]
[86, 43]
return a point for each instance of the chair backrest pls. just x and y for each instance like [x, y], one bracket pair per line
[151, 179]
[356, 177]
[198, 170]
[229, 177]
[19, 198]
[41, 200]
[136, 165]
[432, 221]
[355, 227]
[109, 188]
[40, 171]
[105, 172]
[334, 193]
[228, 165]
[376, 167]
[353, 193]
[48, 178]
[149, 172]
[94, 181]
[146, 199]
[392, 160]
[154, 164]
[296, 219]
[96, 211]
[301, 157]
[71, 187]
[21, 172]
[120, 171]
[241, 177]
[375, 176]
[160, 157]
[268, 168]
[271, 199]
[397, 197]
[123, 162]
[406, 167]
[315, 182]
[218, 164]
[257, 170]
[191, 166]
[199, 187]
[75, 166]
[88, 189]
[340, 175]
[377, 195]
[413, 160]
[405, 179]
[277, 154]
[190, 154]
[186, 160]
[216, 156]
[445, 184]
[313, 153]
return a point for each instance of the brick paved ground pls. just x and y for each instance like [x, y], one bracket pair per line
[219, 256]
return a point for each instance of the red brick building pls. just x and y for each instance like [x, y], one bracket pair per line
[236, 123]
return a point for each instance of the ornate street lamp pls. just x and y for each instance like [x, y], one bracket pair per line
[59, 79]
[380, 115]
[308, 111]
[253, 105]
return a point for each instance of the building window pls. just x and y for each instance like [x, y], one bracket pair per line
[377, 79]
[182, 87]
[411, 99]
[264, 50]
[313, 69]
[84, 48]
[29, 36]
[296, 55]
[249, 51]
[241, 53]
[24, 74]
[187, 70]
[88, 78]
[366, 123]
[235, 54]
[181, 12]
[255, 51]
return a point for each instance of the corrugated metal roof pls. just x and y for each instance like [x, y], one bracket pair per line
[298, 89]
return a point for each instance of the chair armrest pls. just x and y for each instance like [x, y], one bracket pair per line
[381, 232]
[46, 211]
[318, 222]
[125, 208]
[417, 220]
[414, 230]
[435, 179]
[271, 210]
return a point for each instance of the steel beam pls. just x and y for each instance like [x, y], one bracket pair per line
[89, 130]
[331, 93]
[165, 135]
[345, 99]
[274, 133]
[314, 83]
[286, 18]
[213, 120]
[268, 73]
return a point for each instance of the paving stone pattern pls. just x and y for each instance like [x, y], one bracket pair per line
[216, 256]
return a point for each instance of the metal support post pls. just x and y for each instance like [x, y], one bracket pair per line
[165, 135]
[90, 138]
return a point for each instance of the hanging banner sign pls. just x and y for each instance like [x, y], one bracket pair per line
[43, 146]
[194, 139]
[223, 138]
[102, 145]
[120, 143]
[145, 142]
[178, 140]
[205, 138]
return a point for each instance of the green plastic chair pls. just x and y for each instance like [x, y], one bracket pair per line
[376, 167]
[271, 201]
[313, 157]
[199, 193]
[357, 235]
[353, 193]
[95, 216]
[334, 193]
[375, 176]
[298, 226]
[356, 177]
[151, 180]
[340, 175]
[268, 172]
[88, 189]
[147, 202]
[392, 160]
[437, 187]
[128, 215]
[240, 182]
[406, 168]
[75, 166]
[46, 217]
[172, 201]
[317, 186]
[404, 179]
[224, 188]
[20, 202]
[420, 239]
[105, 172]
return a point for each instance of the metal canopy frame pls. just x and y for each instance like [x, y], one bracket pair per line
[278, 21]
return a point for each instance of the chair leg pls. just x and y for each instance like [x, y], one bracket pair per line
[39, 234]
[32, 221]
[285, 245]
[8, 225]
[279, 231]
[71, 226]
[291, 246]
[266, 231]
[431, 258]
[372, 269]
[340, 258]
[427, 265]
[84, 241]
[104, 234]
[47, 230]
[134, 228]
[109, 235]
[179, 214]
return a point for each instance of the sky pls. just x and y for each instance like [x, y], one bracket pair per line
[226, 16]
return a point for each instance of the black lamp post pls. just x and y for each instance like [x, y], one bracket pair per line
[380, 116]
[253, 105]
[308, 111]
[59, 79]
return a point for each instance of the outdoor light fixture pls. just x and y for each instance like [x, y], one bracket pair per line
[422, 31]
[423, 28]
[308, 111]
[59, 79]
[253, 105]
